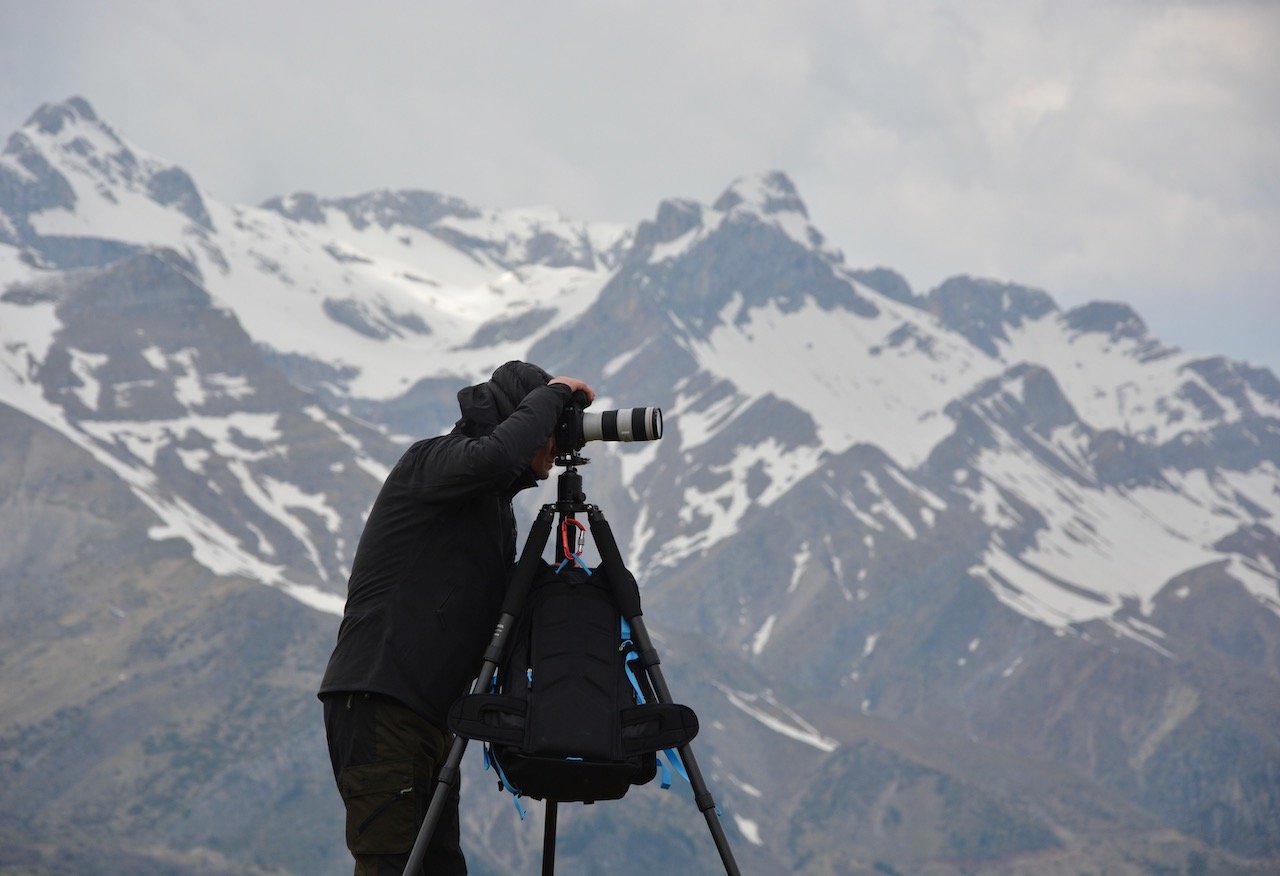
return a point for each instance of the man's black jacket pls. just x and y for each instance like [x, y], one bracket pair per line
[435, 558]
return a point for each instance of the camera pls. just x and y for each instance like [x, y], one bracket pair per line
[577, 426]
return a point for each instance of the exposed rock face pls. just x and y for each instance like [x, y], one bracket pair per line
[957, 582]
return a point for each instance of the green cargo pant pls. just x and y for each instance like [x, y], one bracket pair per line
[386, 759]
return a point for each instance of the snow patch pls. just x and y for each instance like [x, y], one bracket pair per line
[83, 366]
[724, 506]
[762, 635]
[1101, 545]
[769, 712]
[800, 563]
[889, 395]
[749, 829]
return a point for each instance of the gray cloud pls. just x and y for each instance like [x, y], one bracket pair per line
[1124, 150]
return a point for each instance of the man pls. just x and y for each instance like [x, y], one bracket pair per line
[426, 587]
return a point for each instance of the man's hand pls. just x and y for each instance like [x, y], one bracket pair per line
[576, 385]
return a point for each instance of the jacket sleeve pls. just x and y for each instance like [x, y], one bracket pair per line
[455, 466]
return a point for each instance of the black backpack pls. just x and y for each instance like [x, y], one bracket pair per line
[572, 717]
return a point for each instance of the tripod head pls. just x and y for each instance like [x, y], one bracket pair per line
[570, 497]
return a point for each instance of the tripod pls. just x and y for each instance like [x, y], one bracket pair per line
[571, 500]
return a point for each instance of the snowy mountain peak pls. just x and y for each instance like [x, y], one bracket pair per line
[965, 511]
[505, 238]
[69, 182]
[1107, 317]
[770, 197]
[386, 209]
[51, 117]
[766, 193]
[982, 309]
[72, 138]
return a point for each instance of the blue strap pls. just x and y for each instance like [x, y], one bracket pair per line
[628, 647]
[635, 682]
[577, 558]
[669, 753]
[676, 763]
[506, 783]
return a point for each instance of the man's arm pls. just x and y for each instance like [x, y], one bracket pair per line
[575, 385]
[452, 467]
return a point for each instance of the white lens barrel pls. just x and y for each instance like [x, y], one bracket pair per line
[627, 424]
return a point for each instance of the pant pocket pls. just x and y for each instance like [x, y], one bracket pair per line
[381, 810]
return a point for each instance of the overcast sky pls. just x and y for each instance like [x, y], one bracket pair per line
[1118, 150]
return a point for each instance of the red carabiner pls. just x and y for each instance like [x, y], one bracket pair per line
[575, 555]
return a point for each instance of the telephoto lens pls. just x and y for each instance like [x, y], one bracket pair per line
[626, 424]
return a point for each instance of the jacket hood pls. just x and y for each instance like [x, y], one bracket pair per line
[487, 404]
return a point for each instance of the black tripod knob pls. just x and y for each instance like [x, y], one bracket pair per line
[569, 489]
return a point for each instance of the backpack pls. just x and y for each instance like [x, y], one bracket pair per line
[570, 719]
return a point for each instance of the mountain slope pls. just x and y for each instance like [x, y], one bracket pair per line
[137, 685]
[957, 581]
[167, 391]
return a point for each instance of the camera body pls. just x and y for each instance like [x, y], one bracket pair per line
[577, 426]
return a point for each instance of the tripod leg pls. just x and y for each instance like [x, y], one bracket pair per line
[530, 558]
[444, 787]
[627, 593]
[549, 840]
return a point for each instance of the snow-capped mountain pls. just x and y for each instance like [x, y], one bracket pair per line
[359, 287]
[1009, 572]
[354, 307]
